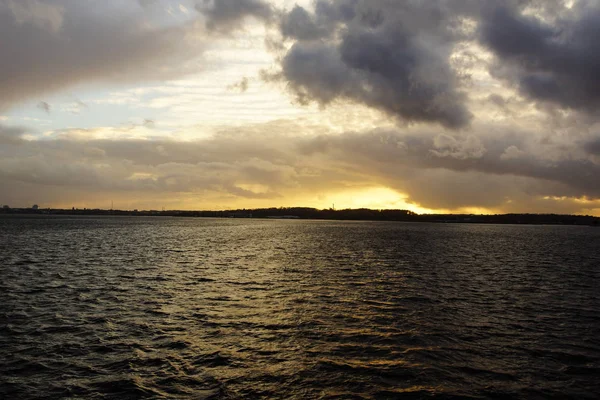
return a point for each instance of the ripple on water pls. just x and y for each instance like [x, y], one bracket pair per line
[114, 308]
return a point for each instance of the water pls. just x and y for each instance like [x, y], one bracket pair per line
[129, 308]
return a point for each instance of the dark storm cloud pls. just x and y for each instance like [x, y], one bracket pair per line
[299, 24]
[46, 46]
[302, 25]
[226, 15]
[389, 56]
[554, 61]
[396, 56]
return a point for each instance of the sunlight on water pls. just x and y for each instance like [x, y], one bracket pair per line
[206, 308]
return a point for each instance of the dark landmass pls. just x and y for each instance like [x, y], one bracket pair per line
[361, 214]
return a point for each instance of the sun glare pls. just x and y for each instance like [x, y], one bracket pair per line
[374, 198]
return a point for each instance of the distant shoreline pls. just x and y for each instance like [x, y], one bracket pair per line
[362, 214]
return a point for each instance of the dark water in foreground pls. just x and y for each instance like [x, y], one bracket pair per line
[197, 308]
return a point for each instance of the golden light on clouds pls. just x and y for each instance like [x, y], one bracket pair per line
[371, 197]
[278, 103]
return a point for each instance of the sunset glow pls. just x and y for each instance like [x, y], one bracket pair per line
[254, 103]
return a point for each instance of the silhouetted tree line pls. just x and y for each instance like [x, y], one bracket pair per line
[347, 214]
[360, 214]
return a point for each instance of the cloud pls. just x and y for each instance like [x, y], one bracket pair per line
[593, 146]
[299, 24]
[50, 46]
[44, 16]
[42, 105]
[512, 152]
[149, 123]
[393, 57]
[419, 163]
[261, 166]
[449, 146]
[227, 15]
[11, 135]
[76, 107]
[550, 59]
[240, 86]
[408, 58]
[479, 103]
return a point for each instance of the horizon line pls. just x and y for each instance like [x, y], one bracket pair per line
[405, 211]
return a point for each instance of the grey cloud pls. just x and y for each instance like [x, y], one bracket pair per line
[111, 41]
[34, 12]
[449, 146]
[454, 190]
[396, 157]
[224, 164]
[42, 105]
[94, 152]
[315, 71]
[11, 135]
[226, 15]
[43, 170]
[240, 192]
[556, 61]
[513, 35]
[593, 146]
[389, 56]
[147, 3]
[398, 57]
[241, 86]
[499, 167]
[512, 152]
[302, 25]
[497, 100]
[299, 24]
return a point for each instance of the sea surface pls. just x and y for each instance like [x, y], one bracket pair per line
[132, 307]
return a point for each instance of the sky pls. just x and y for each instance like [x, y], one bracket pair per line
[465, 106]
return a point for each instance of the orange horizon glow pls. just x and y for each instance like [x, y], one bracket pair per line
[376, 198]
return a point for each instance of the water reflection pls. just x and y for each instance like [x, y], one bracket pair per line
[133, 307]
